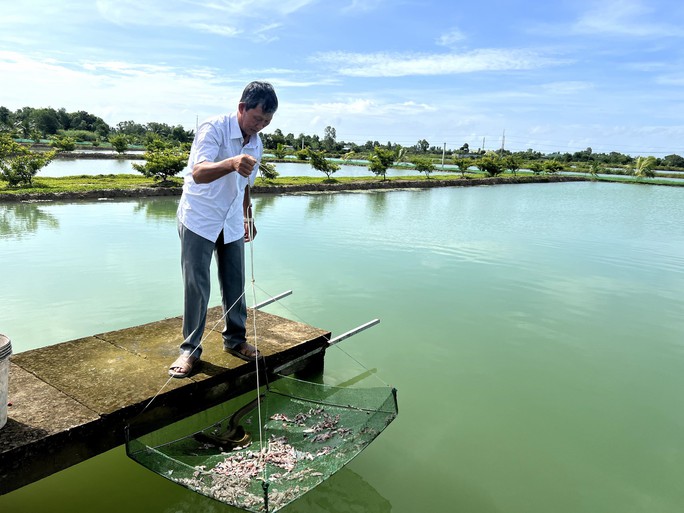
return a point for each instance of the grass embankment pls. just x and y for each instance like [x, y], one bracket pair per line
[88, 186]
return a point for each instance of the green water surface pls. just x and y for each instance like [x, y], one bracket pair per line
[535, 334]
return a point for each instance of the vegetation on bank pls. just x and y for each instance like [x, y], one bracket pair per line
[135, 185]
[167, 148]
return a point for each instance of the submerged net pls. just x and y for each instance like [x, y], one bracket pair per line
[309, 432]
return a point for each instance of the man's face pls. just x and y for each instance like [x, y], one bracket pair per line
[252, 121]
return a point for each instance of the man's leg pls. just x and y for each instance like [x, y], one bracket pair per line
[196, 255]
[231, 268]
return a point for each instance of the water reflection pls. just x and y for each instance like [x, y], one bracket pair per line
[318, 203]
[343, 492]
[19, 220]
[377, 201]
[264, 202]
[156, 208]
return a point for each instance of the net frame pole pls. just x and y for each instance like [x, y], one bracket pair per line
[331, 342]
[272, 300]
[350, 333]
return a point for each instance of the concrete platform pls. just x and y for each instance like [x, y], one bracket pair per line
[72, 401]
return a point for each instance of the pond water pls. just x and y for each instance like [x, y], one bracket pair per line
[534, 332]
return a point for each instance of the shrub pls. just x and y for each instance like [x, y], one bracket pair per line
[18, 164]
[163, 162]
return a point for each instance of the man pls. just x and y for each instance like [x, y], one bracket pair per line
[215, 217]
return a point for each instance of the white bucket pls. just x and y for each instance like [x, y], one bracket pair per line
[5, 352]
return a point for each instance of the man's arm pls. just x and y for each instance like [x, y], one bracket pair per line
[206, 172]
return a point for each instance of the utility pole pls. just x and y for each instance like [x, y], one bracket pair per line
[443, 153]
[503, 141]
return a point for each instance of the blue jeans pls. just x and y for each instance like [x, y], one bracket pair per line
[196, 254]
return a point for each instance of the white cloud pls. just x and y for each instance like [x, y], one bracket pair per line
[118, 91]
[222, 17]
[397, 65]
[623, 18]
[448, 39]
[567, 87]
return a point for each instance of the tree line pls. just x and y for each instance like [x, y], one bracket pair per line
[33, 124]
[167, 149]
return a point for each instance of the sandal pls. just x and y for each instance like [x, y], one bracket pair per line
[244, 351]
[183, 365]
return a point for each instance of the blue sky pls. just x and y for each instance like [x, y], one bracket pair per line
[553, 76]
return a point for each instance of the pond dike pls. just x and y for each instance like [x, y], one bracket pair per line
[74, 400]
[362, 185]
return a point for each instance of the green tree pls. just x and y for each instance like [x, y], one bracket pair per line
[330, 138]
[268, 171]
[18, 164]
[462, 164]
[553, 166]
[119, 142]
[512, 163]
[423, 165]
[279, 151]
[537, 167]
[491, 164]
[644, 167]
[163, 161]
[595, 169]
[63, 142]
[422, 145]
[673, 161]
[46, 121]
[380, 160]
[320, 163]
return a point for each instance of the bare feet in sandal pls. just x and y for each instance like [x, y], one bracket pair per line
[244, 351]
[182, 367]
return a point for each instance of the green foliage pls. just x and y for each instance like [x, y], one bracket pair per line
[63, 143]
[18, 164]
[302, 154]
[380, 160]
[163, 161]
[553, 166]
[595, 168]
[268, 171]
[330, 138]
[119, 142]
[423, 165]
[320, 163]
[462, 164]
[279, 151]
[537, 167]
[512, 163]
[422, 146]
[645, 167]
[491, 164]
[154, 142]
[80, 135]
[673, 161]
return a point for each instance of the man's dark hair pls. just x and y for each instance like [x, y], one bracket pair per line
[260, 93]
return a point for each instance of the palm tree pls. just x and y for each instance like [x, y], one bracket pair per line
[644, 167]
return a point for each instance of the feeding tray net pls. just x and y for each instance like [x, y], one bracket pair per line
[309, 432]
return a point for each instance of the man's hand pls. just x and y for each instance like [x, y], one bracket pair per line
[250, 229]
[243, 164]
